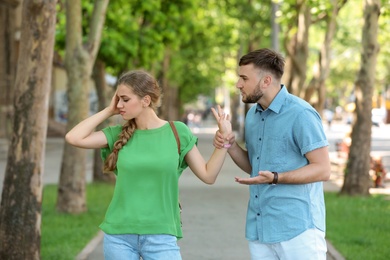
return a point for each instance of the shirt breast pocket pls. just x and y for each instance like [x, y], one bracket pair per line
[276, 151]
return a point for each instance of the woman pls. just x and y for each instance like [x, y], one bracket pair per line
[143, 218]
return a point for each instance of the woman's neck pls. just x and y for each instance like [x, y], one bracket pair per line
[149, 120]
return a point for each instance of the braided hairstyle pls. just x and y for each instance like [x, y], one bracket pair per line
[142, 84]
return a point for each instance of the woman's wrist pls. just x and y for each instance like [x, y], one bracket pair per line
[227, 145]
[109, 112]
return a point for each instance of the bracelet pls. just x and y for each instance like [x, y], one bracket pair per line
[227, 145]
[275, 180]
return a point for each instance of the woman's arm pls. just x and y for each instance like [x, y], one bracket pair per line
[208, 172]
[83, 135]
[238, 155]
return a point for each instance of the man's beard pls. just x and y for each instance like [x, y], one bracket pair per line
[254, 97]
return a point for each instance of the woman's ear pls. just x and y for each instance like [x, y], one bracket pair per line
[146, 101]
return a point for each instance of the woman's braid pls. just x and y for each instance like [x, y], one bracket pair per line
[127, 131]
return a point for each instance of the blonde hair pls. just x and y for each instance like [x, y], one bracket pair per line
[142, 84]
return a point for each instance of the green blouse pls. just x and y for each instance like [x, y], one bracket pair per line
[146, 195]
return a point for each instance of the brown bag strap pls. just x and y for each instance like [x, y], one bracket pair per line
[178, 150]
[176, 135]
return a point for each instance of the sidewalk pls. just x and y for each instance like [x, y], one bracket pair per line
[208, 234]
[53, 157]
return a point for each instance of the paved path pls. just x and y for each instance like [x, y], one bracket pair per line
[213, 216]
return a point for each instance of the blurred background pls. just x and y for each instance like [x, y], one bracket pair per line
[192, 47]
[59, 62]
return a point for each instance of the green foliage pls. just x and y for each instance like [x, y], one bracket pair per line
[253, 22]
[65, 235]
[86, 9]
[138, 32]
[59, 46]
[346, 49]
[202, 58]
[383, 66]
[204, 37]
[358, 226]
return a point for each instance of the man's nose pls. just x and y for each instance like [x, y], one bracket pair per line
[238, 85]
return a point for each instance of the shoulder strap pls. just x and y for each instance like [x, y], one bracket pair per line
[176, 135]
[178, 150]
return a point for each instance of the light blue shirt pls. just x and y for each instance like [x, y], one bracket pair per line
[277, 140]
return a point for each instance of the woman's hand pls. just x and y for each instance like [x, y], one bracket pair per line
[220, 140]
[225, 129]
[223, 120]
[113, 107]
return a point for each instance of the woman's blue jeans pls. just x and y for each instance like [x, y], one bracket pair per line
[149, 247]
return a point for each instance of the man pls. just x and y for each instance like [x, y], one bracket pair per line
[287, 159]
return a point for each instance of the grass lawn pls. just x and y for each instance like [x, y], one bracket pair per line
[359, 228]
[65, 235]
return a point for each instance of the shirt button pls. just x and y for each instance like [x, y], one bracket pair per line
[257, 158]
[262, 119]
[256, 196]
[258, 214]
[260, 139]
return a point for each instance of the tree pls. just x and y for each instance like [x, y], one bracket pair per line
[357, 180]
[8, 59]
[296, 41]
[99, 76]
[317, 83]
[20, 212]
[79, 60]
[254, 32]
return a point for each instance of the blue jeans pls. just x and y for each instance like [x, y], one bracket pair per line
[149, 247]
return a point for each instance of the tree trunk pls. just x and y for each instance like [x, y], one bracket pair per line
[173, 105]
[79, 59]
[297, 50]
[20, 212]
[99, 76]
[357, 180]
[71, 188]
[163, 79]
[317, 84]
[8, 59]
[237, 115]
[275, 26]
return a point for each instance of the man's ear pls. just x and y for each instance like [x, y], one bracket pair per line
[267, 80]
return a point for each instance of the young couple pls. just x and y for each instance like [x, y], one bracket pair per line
[285, 146]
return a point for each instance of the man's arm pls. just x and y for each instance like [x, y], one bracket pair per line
[238, 155]
[317, 170]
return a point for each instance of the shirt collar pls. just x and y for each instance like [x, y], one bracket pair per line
[277, 102]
